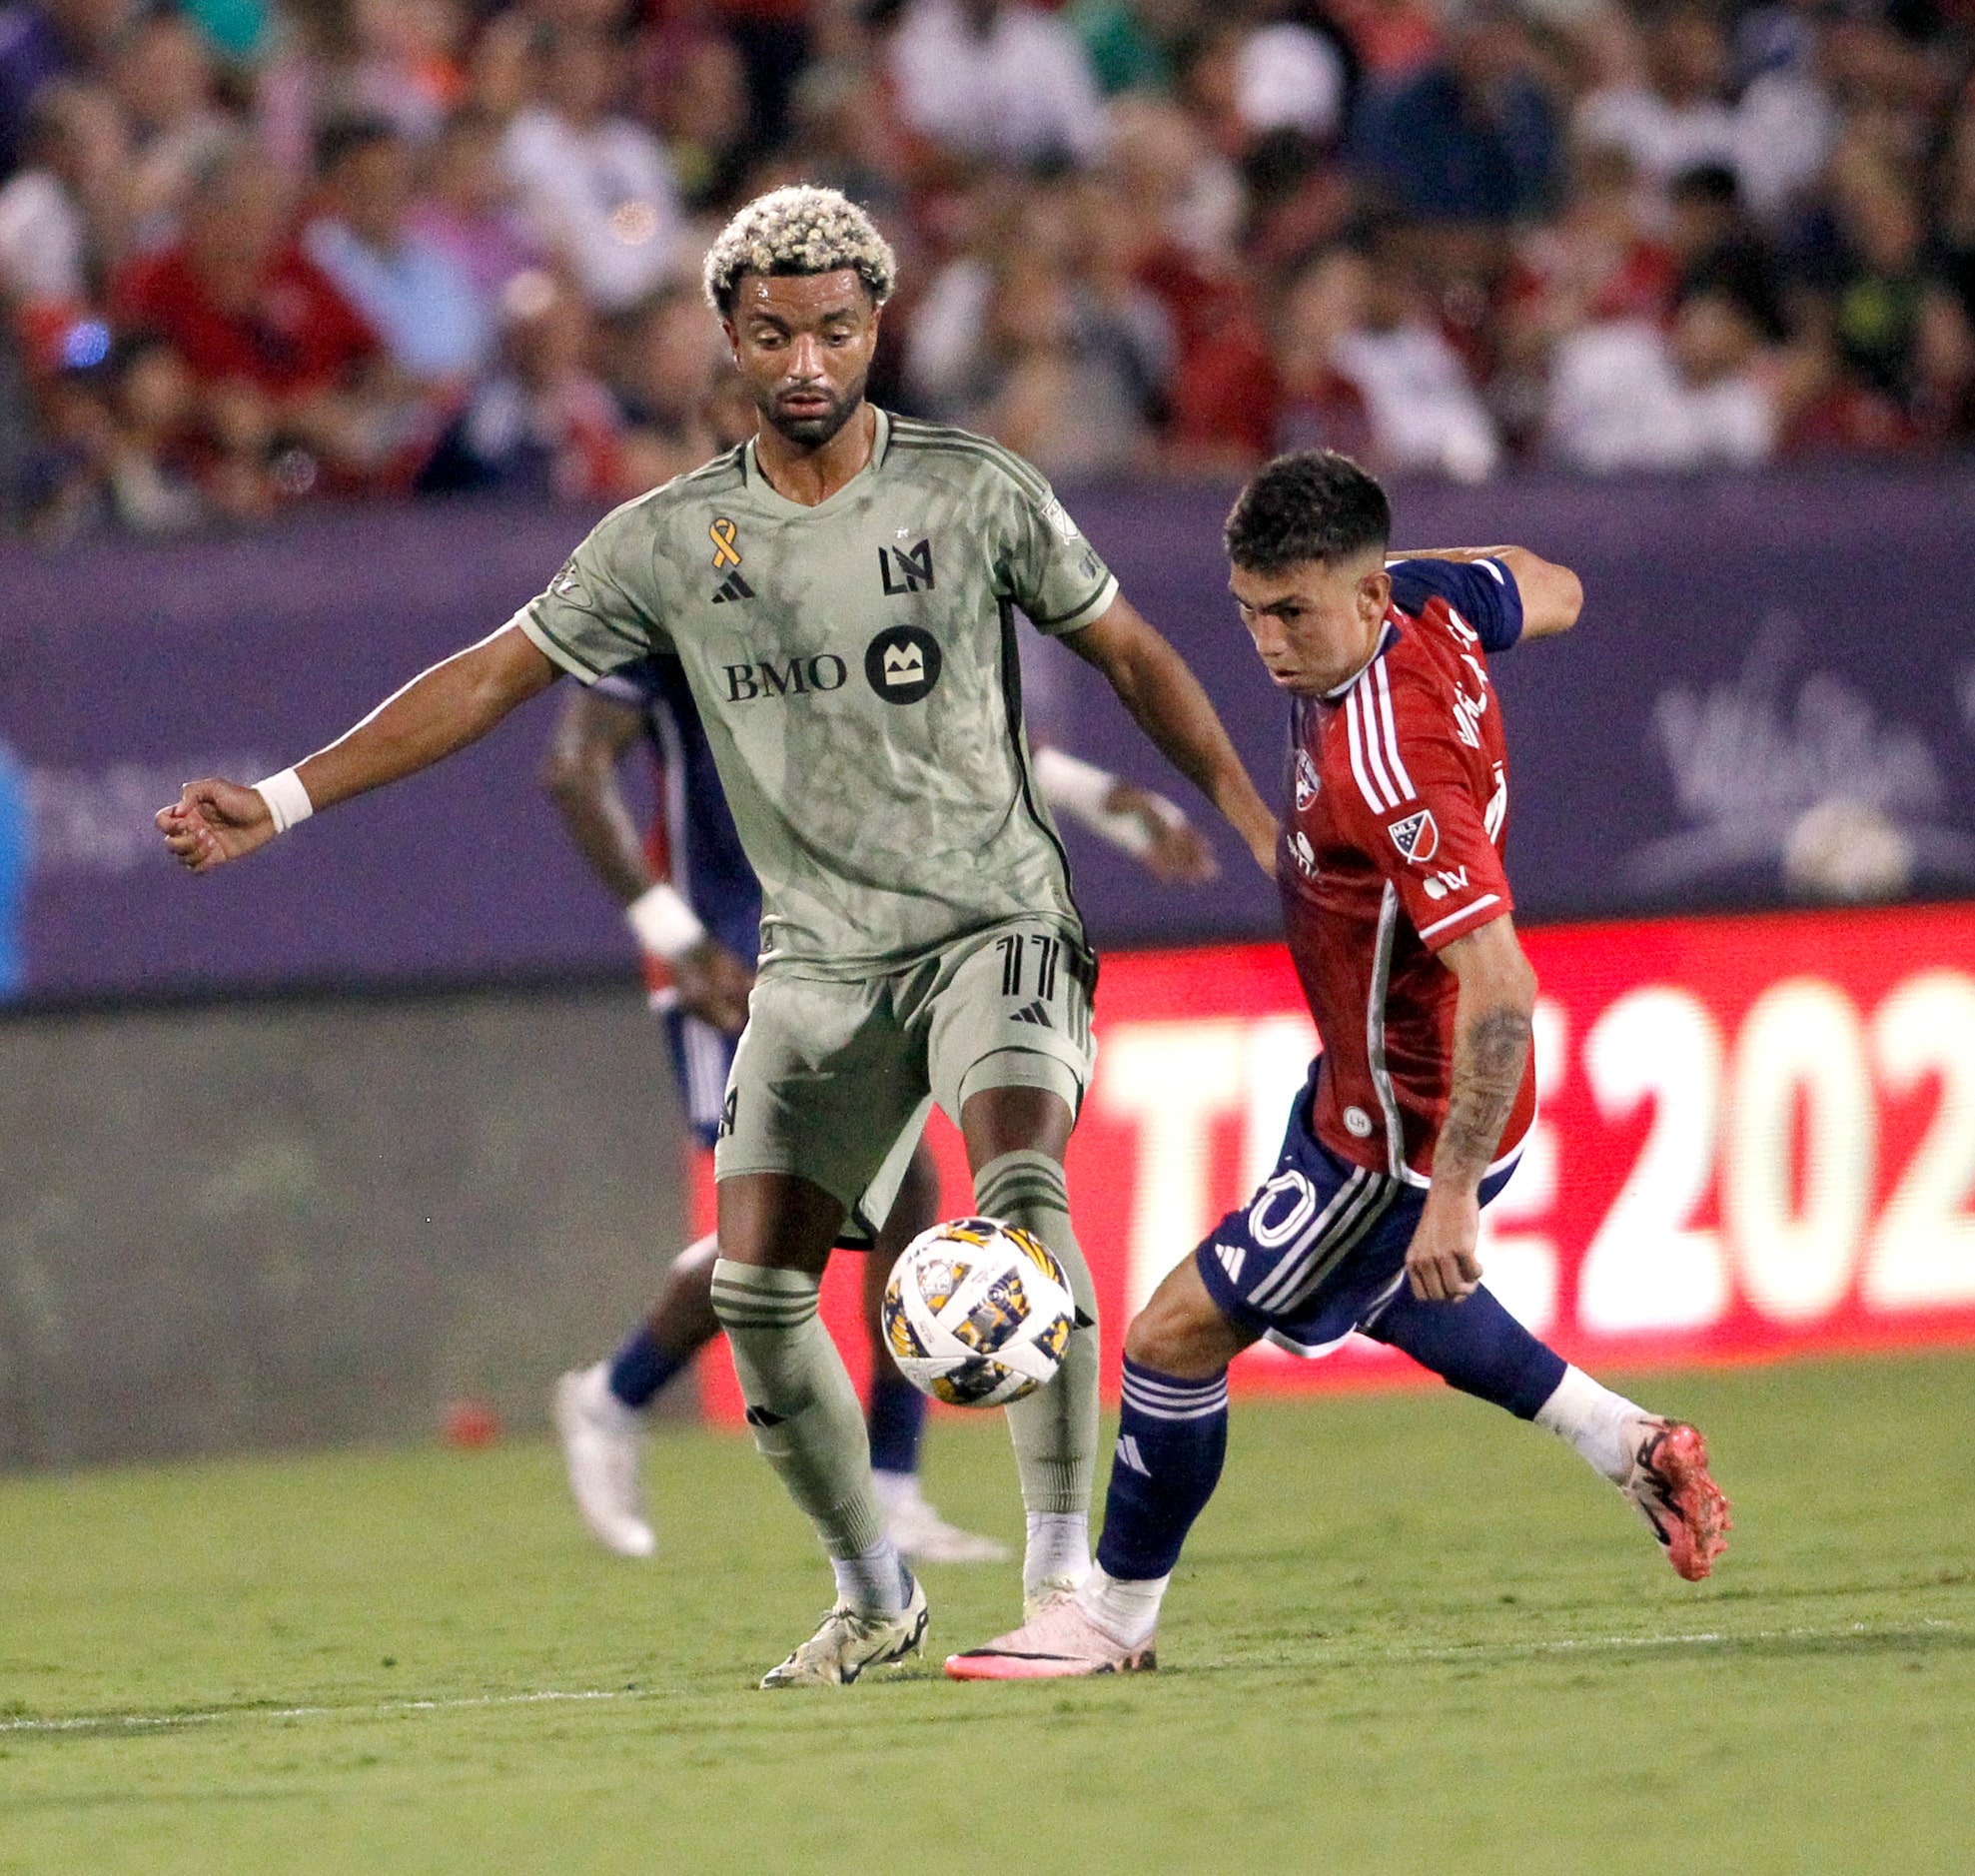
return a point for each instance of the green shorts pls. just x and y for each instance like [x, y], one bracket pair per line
[832, 1080]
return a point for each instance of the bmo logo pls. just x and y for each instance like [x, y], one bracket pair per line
[903, 665]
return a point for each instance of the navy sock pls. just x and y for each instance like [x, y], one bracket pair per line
[897, 1417]
[642, 1367]
[1172, 1440]
[1476, 1346]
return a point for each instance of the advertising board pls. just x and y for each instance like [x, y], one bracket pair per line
[1756, 1139]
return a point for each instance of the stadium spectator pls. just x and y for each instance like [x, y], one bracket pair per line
[1833, 201]
[1668, 108]
[468, 208]
[543, 424]
[1472, 138]
[281, 365]
[164, 76]
[64, 214]
[596, 185]
[665, 357]
[1898, 335]
[696, 96]
[1318, 407]
[1288, 75]
[410, 290]
[1627, 395]
[996, 80]
[1594, 265]
[1421, 412]
[40, 41]
[1708, 234]
[114, 417]
[1044, 338]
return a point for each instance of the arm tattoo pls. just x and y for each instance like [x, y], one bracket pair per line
[1488, 1057]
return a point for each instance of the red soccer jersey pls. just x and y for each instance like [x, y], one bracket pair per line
[1392, 849]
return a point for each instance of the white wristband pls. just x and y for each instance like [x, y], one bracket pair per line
[1079, 789]
[664, 923]
[286, 798]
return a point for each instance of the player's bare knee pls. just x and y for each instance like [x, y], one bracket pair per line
[1181, 1332]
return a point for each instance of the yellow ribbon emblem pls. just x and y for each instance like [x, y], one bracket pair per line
[725, 553]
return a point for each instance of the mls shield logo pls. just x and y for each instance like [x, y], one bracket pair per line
[1416, 838]
[1306, 780]
[903, 665]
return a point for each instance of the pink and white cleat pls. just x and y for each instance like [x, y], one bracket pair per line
[1669, 1482]
[1058, 1642]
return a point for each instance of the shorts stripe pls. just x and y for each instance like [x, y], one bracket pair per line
[1333, 1254]
[1362, 1201]
[1345, 1196]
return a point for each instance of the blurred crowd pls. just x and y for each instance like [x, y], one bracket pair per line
[255, 253]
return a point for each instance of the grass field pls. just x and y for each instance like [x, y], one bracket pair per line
[1408, 1635]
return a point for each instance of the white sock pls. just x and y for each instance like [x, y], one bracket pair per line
[1127, 1611]
[1592, 1419]
[1058, 1549]
[872, 1582]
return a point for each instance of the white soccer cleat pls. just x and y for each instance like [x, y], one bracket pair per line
[849, 1642]
[1047, 1594]
[1055, 1645]
[600, 1437]
[923, 1535]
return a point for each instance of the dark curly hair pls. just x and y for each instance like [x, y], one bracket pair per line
[1313, 506]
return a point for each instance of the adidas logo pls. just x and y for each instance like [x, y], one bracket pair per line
[1034, 1013]
[733, 587]
[1129, 1457]
[1232, 1256]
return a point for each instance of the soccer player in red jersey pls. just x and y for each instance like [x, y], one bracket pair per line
[1398, 916]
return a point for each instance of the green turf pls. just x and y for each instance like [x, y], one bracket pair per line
[1408, 1635]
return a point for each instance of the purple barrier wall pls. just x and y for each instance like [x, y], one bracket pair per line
[1774, 683]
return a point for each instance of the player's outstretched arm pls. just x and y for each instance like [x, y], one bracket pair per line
[1165, 698]
[1553, 595]
[441, 710]
[1491, 1024]
[580, 773]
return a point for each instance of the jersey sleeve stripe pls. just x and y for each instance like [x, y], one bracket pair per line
[1374, 799]
[554, 650]
[1389, 727]
[1092, 610]
[1467, 911]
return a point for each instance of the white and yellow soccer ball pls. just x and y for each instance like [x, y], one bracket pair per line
[977, 1313]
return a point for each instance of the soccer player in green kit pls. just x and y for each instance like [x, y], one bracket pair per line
[841, 591]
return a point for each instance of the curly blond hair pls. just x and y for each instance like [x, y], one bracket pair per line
[802, 229]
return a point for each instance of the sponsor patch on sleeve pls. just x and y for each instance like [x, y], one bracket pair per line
[1415, 836]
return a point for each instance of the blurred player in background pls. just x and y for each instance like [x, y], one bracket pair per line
[690, 868]
[1398, 920]
[843, 593]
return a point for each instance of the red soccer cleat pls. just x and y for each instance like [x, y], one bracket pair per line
[1669, 1483]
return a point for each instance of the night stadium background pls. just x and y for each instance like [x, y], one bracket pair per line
[330, 327]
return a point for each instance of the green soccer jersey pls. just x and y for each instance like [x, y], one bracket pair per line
[857, 667]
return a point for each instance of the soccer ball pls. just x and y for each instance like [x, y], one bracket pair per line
[978, 1312]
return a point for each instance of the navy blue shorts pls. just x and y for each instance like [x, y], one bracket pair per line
[701, 1057]
[1320, 1250]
